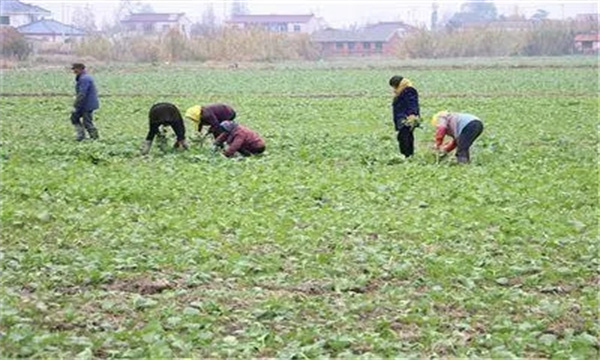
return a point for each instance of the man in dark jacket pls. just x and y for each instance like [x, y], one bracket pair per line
[161, 115]
[406, 113]
[86, 101]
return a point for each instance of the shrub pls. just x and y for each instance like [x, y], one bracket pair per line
[13, 44]
[545, 38]
[97, 46]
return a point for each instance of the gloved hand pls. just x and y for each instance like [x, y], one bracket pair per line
[73, 110]
[146, 145]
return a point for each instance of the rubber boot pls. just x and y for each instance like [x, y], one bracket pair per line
[146, 145]
[79, 133]
[463, 159]
[93, 133]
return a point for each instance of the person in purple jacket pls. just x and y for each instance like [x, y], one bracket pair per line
[86, 101]
[211, 115]
[405, 109]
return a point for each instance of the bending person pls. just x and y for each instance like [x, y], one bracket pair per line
[160, 116]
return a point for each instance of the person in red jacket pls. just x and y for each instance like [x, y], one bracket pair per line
[462, 128]
[240, 139]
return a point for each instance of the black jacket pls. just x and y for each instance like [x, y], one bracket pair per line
[405, 104]
[165, 114]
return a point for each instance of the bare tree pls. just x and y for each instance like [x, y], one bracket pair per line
[239, 7]
[208, 17]
[207, 24]
[474, 11]
[84, 18]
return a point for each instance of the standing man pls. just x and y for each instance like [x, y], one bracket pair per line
[405, 109]
[86, 101]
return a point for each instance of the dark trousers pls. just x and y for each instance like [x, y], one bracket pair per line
[88, 122]
[250, 152]
[406, 141]
[465, 140]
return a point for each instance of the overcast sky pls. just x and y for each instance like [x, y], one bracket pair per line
[336, 13]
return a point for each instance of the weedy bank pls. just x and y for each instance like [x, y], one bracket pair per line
[330, 245]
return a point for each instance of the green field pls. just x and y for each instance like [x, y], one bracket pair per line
[330, 245]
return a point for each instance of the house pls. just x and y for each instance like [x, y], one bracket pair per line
[15, 13]
[587, 43]
[380, 38]
[50, 30]
[304, 24]
[156, 23]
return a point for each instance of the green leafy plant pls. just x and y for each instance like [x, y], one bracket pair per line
[330, 245]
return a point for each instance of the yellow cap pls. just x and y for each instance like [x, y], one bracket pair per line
[435, 117]
[193, 113]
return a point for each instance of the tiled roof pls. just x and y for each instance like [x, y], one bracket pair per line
[380, 32]
[152, 17]
[10, 7]
[261, 19]
[49, 27]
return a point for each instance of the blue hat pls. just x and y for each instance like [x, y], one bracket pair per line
[228, 125]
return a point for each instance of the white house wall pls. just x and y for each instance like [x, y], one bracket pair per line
[21, 19]
[312, 25]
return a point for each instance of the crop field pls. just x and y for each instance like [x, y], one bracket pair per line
[329, 245]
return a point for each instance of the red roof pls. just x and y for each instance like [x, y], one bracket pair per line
[587, 37]
[257, 19]
[152, 17]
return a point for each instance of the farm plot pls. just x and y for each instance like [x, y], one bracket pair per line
[329, 245]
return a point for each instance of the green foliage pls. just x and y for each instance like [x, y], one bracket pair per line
[329, 245]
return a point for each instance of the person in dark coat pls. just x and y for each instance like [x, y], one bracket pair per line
[239, 139]
[160, 116]
[86, 101]
[406, 113]
[210, 115]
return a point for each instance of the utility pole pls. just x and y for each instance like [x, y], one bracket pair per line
[434, 16]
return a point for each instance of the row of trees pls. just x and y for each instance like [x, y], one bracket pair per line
[546, 39]
[223, 45]
[84, 17]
